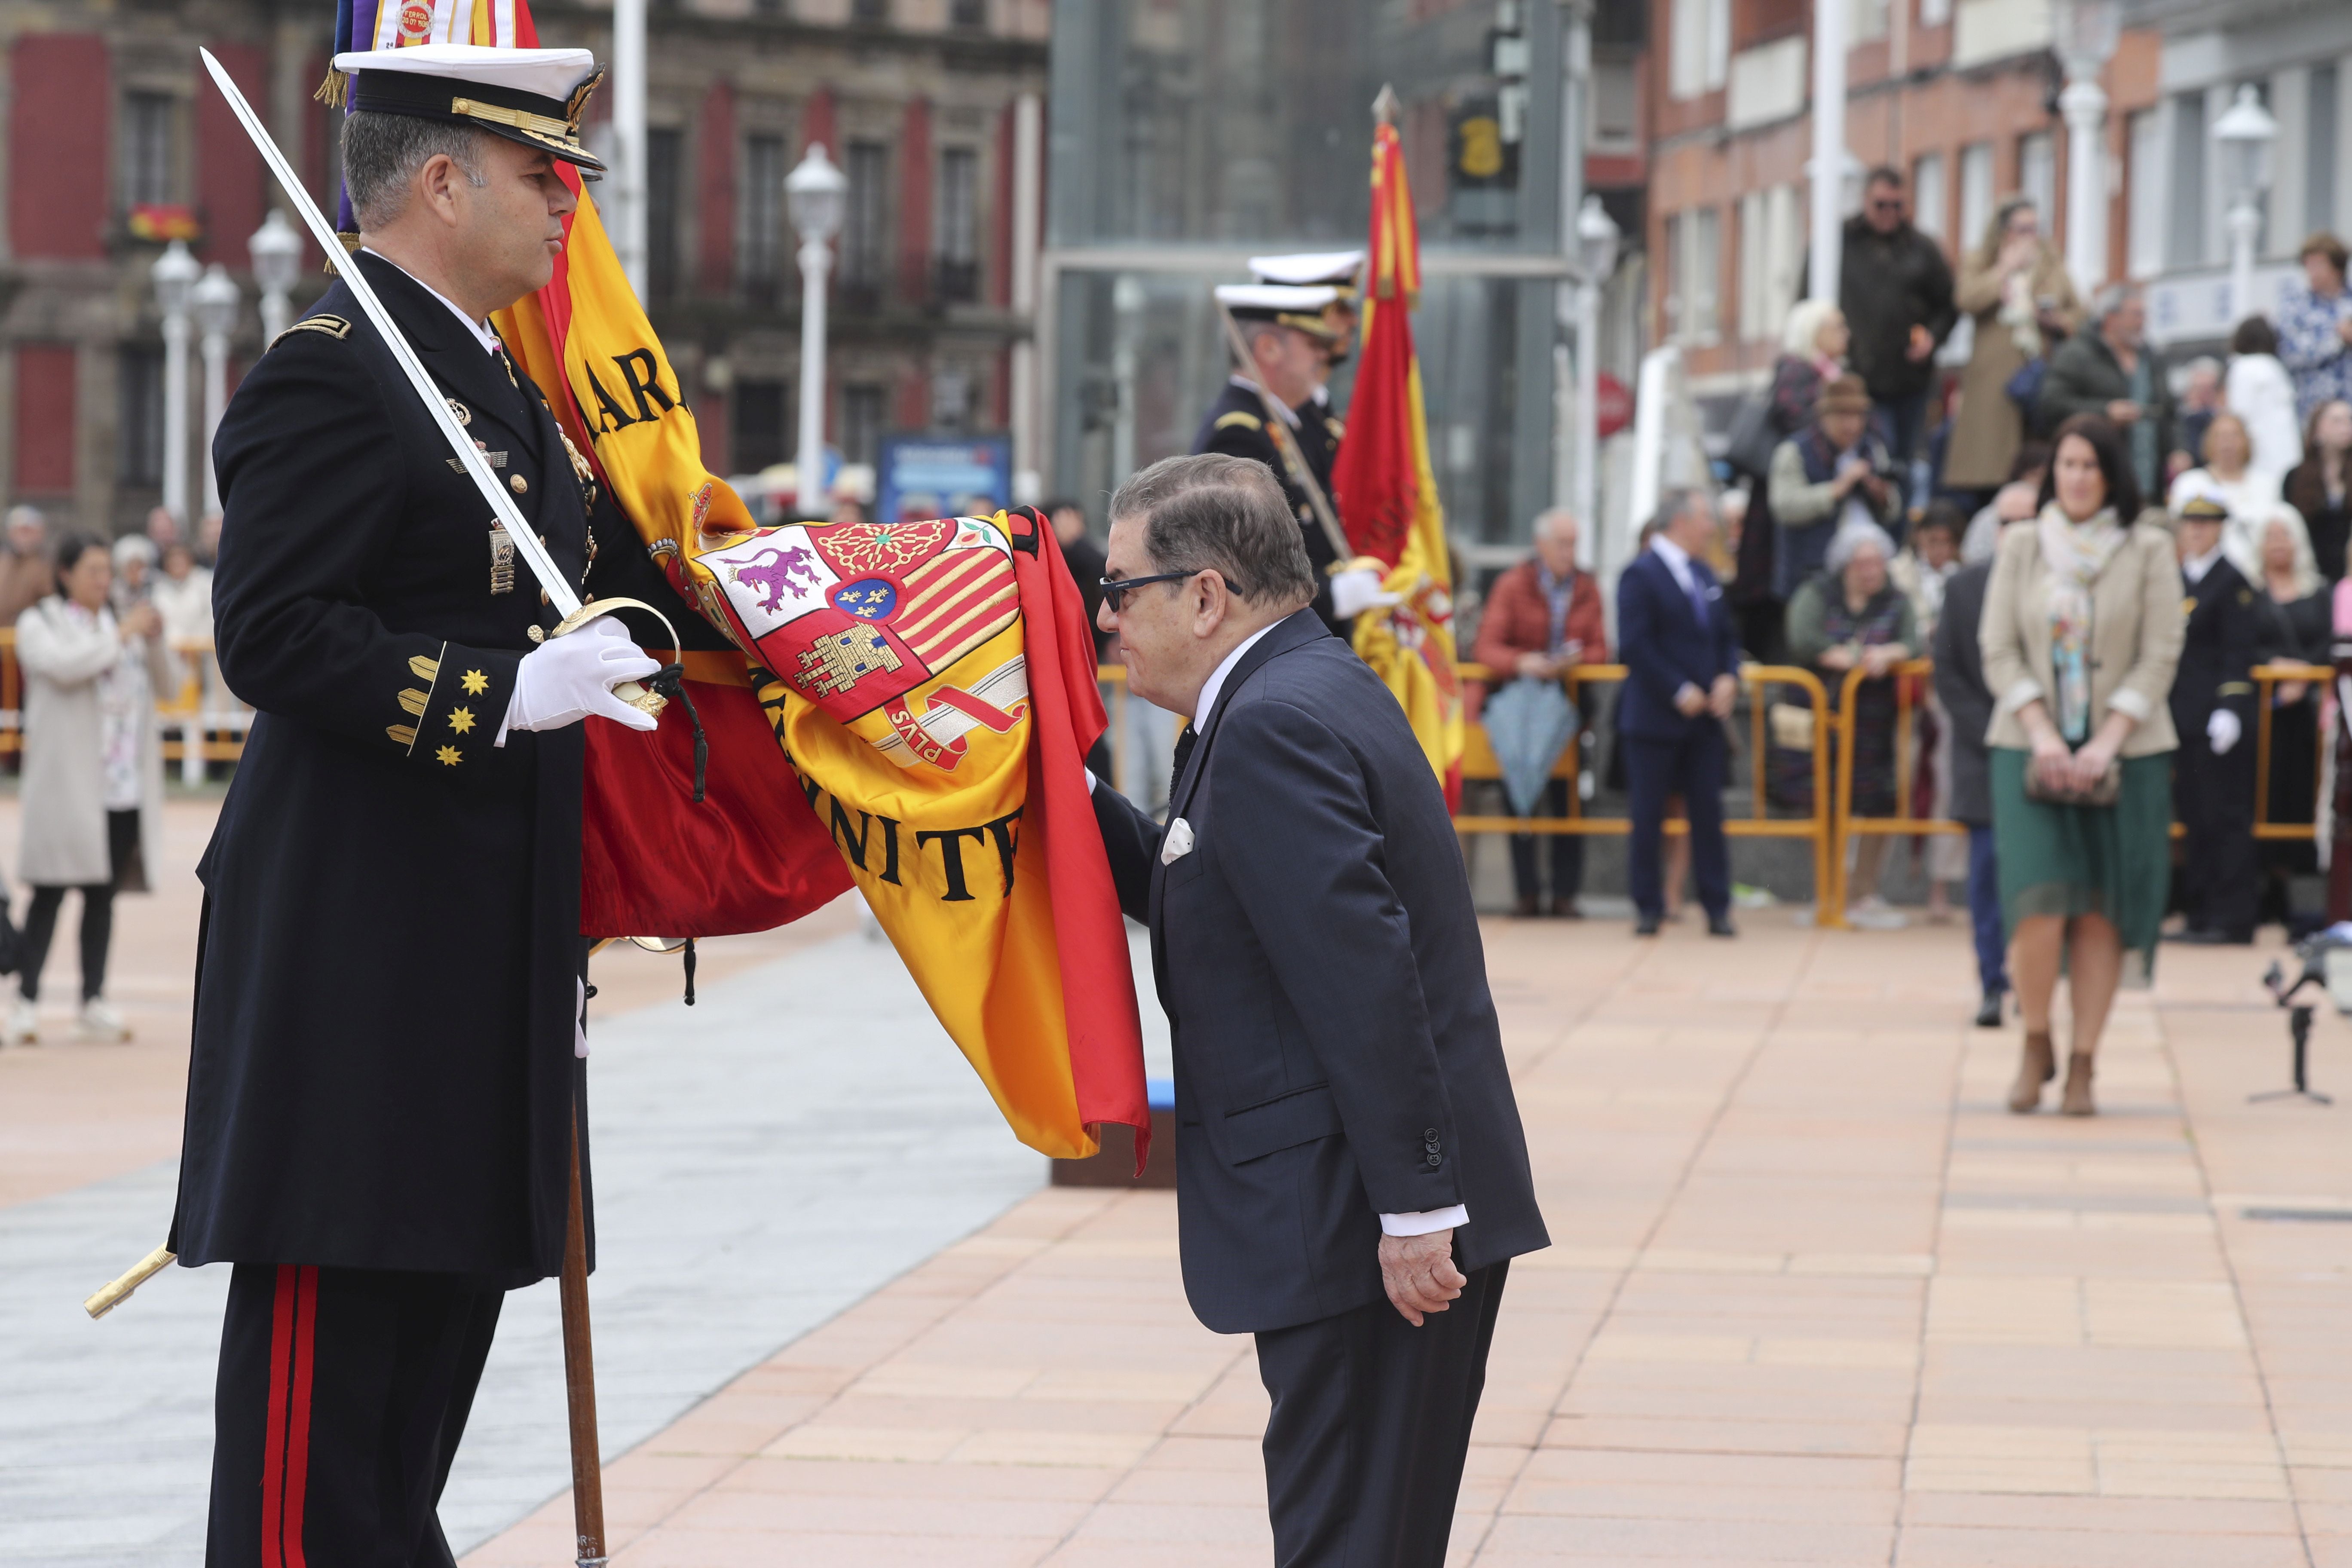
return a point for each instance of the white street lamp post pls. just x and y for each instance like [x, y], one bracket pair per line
[1597, 236]
[629, 140]
[2244, 135]
[276, 252]
[216, 299]
[175, 273]
[1828, 165]
[814, 193]
[2086, 32]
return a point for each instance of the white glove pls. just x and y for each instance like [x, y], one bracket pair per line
[1354, 592]
[564, 679]
[2222, 731]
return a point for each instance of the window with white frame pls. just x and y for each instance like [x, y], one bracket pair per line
[1976, 190]
[1865, 20]
[2184, 237]
[2322, 106]
[1695, 258]
[1934, 13]
[1755, 233]
[1930, 202]
[2037, 176]
[1699, 56]
[2145, 194]
[1770, 250]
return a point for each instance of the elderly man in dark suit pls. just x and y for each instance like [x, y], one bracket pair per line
[1681, 652]
[1351, 1177]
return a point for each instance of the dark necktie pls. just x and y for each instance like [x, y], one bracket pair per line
[1185, 742]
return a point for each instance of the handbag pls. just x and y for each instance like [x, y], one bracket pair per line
[1754, 436]
[2109, 788]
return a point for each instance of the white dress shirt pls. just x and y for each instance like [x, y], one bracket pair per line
[482, 333]
[2193, 570]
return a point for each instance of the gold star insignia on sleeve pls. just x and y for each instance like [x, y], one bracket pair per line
[476, 683]
[448, 755]
[461, 719]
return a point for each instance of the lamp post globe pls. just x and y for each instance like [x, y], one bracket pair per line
[276, 252]
[174, 276]
[814, 193]
[2085, 33]
[2243, 137]
[1597, 238]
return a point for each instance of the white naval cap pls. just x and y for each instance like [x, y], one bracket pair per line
[1338, 268]
[535, 97]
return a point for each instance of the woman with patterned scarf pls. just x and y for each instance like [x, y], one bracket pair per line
[2082, 632]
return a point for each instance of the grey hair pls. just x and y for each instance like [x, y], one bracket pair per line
[1850, 538]
[382, 153]
[28, 517]
[1671, 504]
[1226, 514]
[1550, 515]
[1801, 334]
[2110, 299]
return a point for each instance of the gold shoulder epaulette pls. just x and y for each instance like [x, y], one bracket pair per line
[1242, 418]
[333, 326]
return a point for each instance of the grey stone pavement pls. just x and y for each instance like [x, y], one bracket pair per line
[763, 1161]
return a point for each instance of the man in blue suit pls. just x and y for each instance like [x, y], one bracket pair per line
[1351, 1175]
[1681, 661]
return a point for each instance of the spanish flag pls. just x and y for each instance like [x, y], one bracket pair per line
[1386, 490]
[907, 713]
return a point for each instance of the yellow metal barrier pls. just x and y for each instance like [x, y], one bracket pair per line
[1832, 913]
[222, 735]
[1478, 763]
[2269, 678]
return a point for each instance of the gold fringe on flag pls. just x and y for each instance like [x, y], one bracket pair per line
[335, 89]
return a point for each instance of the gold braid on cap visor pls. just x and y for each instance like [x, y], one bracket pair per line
[554, 129]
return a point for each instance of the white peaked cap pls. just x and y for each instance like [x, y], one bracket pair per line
[1336, 267]
[547, 73]
[1274, 297]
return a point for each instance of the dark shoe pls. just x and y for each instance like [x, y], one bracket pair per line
[2076, 1100]
[1645, 925]
[1523, 908]
[1566, 910]
[2194, 936]
[2036, 1067]
[1988, 1014]
[1721, 925]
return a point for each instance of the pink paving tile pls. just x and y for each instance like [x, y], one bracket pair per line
[1940, 1546]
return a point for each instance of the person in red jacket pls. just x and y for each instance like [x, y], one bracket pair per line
[1541, 617]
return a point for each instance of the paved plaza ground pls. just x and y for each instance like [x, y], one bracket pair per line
[1814, 1296]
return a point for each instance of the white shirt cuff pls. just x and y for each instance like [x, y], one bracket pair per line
[2027, 690]
[1424, 1221]
[1091, 781]
[2133, 705]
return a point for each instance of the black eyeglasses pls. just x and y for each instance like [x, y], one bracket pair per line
[1114, 589]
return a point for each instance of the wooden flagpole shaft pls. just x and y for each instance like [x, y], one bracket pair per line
[580, 1382]
[1278, 425]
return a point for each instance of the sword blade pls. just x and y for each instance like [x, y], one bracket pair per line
[559, 593]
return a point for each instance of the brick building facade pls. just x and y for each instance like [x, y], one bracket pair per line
[109, 140]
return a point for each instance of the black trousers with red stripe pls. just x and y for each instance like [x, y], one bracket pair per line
[342, 1395]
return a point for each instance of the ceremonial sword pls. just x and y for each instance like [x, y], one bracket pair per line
[476, 464]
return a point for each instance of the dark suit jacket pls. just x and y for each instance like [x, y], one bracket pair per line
[1663, 644]
[1236, 426]
[2222, 642]
[1337, 1051]
[1960, 686]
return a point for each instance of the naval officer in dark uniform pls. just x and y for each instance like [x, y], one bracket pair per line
[383, 1082]
[2212, 703]
[1341, 271]
[1287, 336]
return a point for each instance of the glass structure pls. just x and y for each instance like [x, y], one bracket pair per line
[1188, 135]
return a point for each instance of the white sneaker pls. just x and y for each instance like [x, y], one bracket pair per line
[101, 1021]
[24, 1024]
[1875, 913]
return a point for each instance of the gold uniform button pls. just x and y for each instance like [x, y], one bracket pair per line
[521, 486]
[536, 634]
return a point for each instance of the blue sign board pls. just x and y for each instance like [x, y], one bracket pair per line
[918, 477]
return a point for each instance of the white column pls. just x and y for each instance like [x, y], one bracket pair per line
[1585, 502]
[176, 414]
[2245, 227]
[2084, 106]
[1572, 417]
[627, 211]
[1028, 169]
[816, 261]
[1829, 148]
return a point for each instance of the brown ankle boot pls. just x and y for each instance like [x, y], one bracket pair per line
[2076, 1100]
[2036, 1067]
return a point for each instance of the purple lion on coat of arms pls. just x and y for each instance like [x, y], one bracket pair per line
[774, 572]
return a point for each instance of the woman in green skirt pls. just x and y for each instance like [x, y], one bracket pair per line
[2082, 629]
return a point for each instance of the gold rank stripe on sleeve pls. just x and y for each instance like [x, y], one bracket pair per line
[414, 703]
[1245, 420]
[332, 326]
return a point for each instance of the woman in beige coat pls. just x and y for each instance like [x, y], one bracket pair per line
[2014, 284]
[93, 782]
[2082, 631]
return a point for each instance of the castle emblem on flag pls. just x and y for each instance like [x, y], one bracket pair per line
[839, 660]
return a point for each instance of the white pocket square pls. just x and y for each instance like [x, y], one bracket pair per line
[1177, 844]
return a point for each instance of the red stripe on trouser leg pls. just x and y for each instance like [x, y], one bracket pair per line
[298, 1415]
[273, 1447]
